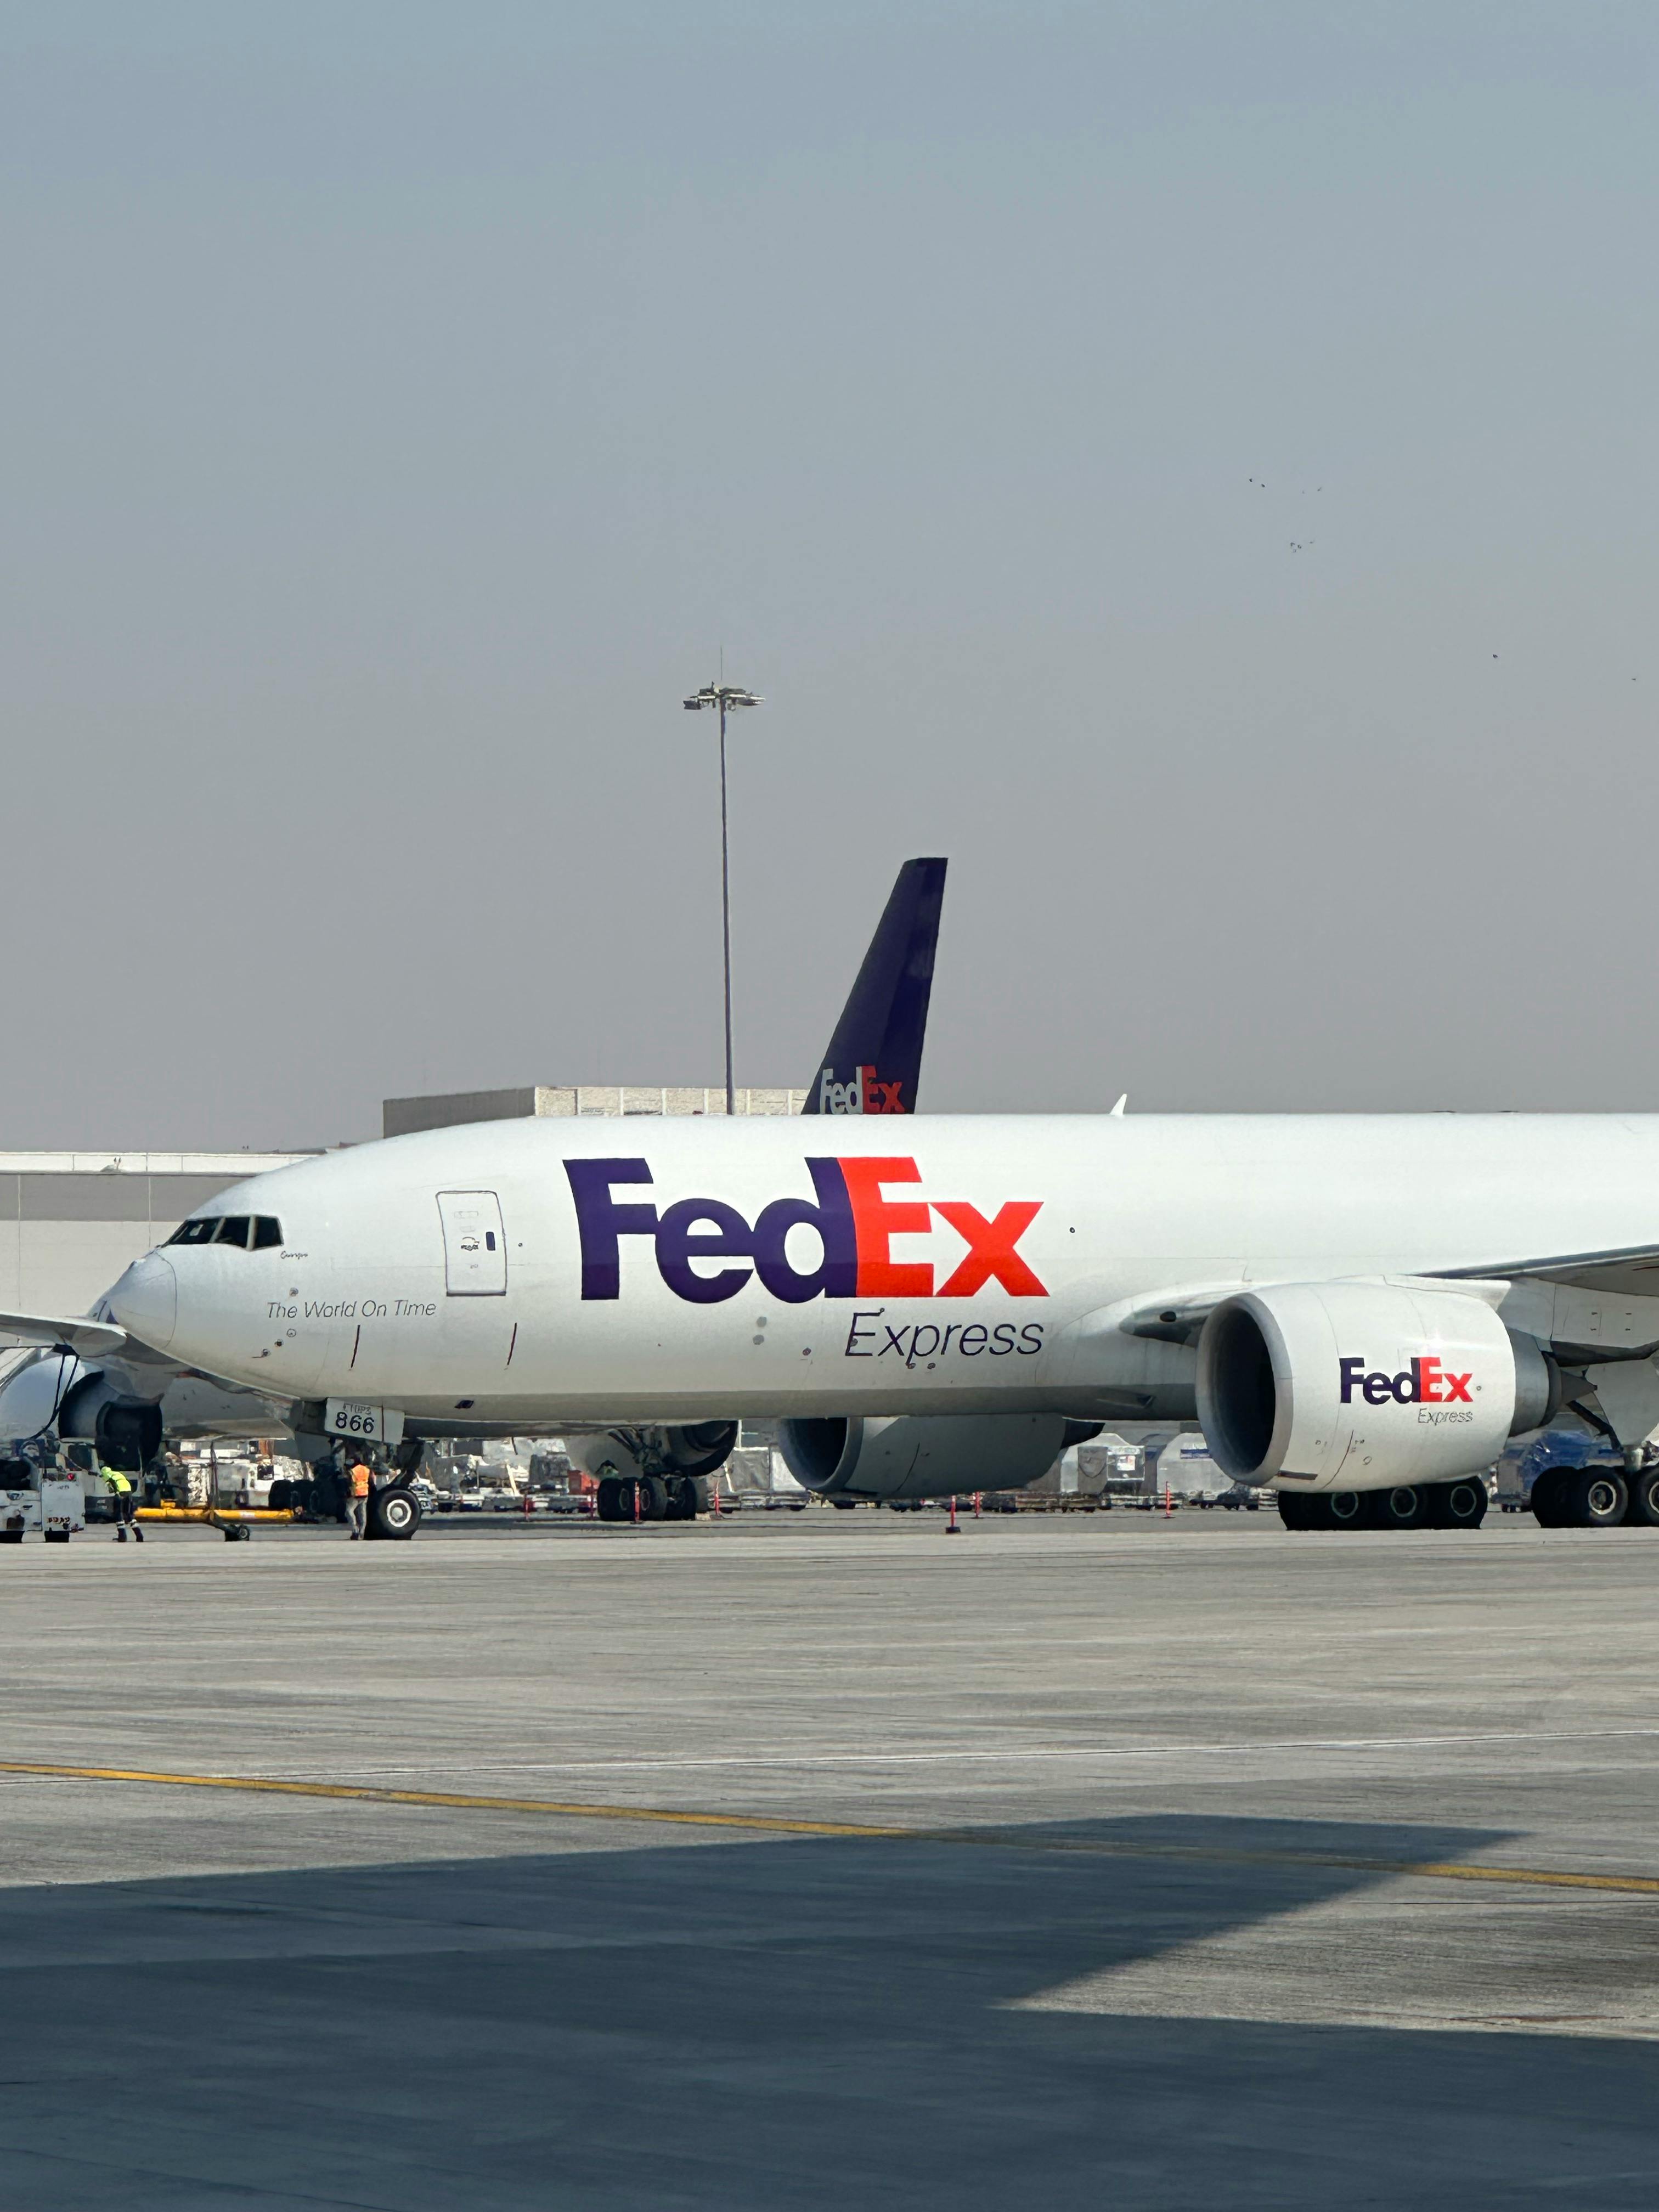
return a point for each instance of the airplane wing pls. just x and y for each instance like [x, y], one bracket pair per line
[90, 1340]
[1632, 1271]
[1608, 1381]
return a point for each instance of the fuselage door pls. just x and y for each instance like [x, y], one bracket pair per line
[474, 1244]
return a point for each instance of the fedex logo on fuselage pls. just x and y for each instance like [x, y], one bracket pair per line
[1425, 1383]
[850, 1216]
[867, 1093]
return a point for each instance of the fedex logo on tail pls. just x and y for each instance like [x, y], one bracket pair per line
[706, 1250]
[1425, 1383]
[865, 1094]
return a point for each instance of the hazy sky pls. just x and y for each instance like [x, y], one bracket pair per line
[403, 403]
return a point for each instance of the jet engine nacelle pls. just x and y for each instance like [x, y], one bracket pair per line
[691, 1448]
[926, 1455]
[34, 1392]
[696, 1448]
[1364, 1386]
[126, 1430]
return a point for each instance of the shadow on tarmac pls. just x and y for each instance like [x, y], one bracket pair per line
[797, 2023]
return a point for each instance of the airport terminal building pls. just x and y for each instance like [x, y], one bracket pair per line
[70, 1222]
[400, 1117]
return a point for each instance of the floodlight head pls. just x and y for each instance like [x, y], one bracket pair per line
[723, 695]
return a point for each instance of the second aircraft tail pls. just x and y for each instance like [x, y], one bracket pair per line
[874, 1060]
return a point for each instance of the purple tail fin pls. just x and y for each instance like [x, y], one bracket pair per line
[874, 1060]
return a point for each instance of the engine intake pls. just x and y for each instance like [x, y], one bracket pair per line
[126, 1429]
[1364, 1386]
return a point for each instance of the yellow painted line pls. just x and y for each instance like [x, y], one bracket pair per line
[1629, 1885]
[1632, 1885]
[1638, 1885]
[369, 1795]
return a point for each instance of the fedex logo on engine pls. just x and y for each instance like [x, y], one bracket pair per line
[1425, 1383]
[850, 1218]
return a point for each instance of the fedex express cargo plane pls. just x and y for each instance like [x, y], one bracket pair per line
[1360, 1311]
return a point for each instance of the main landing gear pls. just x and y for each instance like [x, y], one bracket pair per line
[1597, 1498]
[1461, 1504]
[649, 1497]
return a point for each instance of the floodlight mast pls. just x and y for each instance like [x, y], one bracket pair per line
[727, 697]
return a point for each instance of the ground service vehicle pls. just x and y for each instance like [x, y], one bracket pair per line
[45, 1501]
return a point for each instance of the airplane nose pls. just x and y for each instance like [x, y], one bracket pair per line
[145, 1302]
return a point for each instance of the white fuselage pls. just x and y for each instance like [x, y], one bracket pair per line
[872, 1302]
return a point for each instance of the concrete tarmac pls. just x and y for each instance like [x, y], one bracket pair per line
[825, 1860]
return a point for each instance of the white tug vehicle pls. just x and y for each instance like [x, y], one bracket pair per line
[37, 1501]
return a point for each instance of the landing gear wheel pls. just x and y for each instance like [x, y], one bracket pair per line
[1643, 1509]
[1598, 1498]
[653, 1497]
[681, 1500]
[1302, 1513]
[394, 1513]
[281, 1496]
[1350, 1508]
[1548, 1499]
[1404, 1508]
[1461, 1504]
[609, 1499]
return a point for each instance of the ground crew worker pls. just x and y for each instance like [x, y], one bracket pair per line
[126, 1502]
[359, 1482]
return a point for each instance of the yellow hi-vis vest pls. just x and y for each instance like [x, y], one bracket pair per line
[116, 1482]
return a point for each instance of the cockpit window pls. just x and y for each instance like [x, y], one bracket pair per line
[255, 1232]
